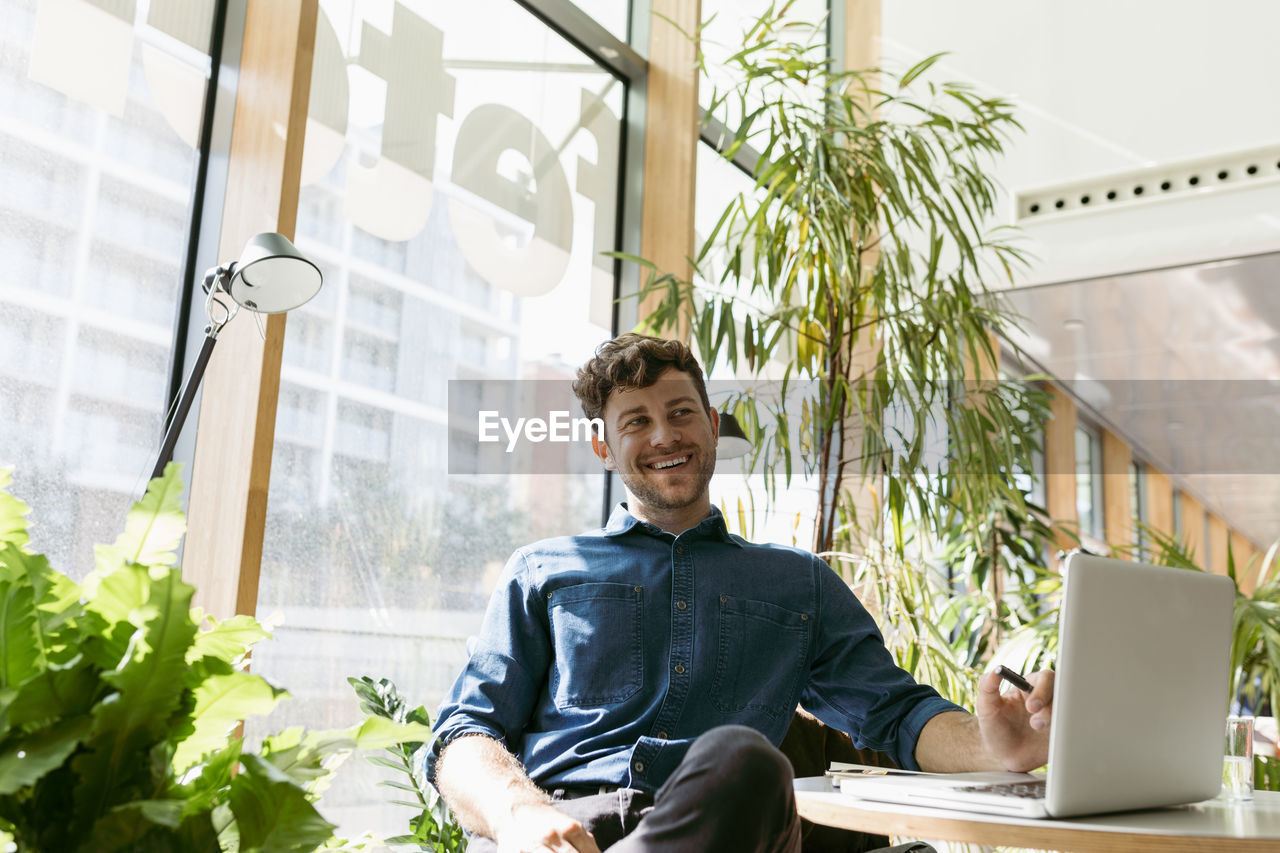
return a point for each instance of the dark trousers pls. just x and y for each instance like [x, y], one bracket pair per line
[731, 793]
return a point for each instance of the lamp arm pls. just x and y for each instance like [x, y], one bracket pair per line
[189, 389]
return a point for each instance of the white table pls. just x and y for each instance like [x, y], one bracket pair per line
[1214, 825]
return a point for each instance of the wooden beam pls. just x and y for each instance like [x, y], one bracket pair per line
[1216, 551]
[1159, 501]
[1117, 511]
[861, 43]
[1060, 464]
[672, 126]
[863, 24]
[1244, 553]
[983, 372]
[1193, 527]
[229, 480]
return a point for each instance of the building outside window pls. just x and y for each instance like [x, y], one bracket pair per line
[1138, 502]
[97, 163]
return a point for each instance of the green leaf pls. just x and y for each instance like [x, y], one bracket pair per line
[22, 656]
[114, 598]
[149, 684]
[139, 825]
[13, 522]
[376, 733]
[25, 760]
[204, 790]
[918, 69]
[301, 755]
[228, 639]
[221, 701]
[61, 692]
[272, 813]
[153, 526]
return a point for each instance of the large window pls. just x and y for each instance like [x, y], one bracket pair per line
[788, 516]
[101, 111]
[1089, 482]
[1138, 505]
[460, 181]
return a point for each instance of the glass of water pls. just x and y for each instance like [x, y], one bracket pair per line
[1237, 765]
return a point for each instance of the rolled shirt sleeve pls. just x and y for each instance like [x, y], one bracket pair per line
[495, 693]
[856, 687]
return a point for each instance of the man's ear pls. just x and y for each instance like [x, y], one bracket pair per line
[602, 450]
[715, 423]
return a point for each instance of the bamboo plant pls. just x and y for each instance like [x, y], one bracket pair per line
[860, 273]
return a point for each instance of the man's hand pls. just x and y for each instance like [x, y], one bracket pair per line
[1014, 725]
[541, 827]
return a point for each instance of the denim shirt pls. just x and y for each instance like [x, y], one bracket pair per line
[603, 656]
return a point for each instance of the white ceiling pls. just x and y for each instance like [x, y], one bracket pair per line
[1131, 305]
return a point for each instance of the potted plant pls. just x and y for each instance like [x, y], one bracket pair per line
[861, 265]
[119, 705]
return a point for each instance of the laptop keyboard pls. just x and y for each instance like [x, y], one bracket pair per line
[1025, 790]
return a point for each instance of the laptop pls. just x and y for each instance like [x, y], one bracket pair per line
[1140, 702]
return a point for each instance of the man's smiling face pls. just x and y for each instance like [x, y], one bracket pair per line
[662, 442]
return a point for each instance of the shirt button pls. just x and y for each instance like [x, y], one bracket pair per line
[680, 605]
[680, 669]
[662, 736]
[804, 617]
[679, 549]
[639, 765]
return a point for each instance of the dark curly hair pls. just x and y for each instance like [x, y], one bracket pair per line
[632, 361]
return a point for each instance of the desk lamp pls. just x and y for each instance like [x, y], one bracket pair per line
[271, 277]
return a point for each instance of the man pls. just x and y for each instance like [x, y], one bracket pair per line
[643, 675]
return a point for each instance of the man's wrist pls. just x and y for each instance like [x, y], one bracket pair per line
[953, 742]
[524, 797]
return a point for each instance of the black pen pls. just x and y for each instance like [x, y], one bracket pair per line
[1014, 678]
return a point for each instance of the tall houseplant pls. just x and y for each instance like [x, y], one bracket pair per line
[860, 266]
[118, 704]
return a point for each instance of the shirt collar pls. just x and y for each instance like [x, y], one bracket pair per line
[622, 521]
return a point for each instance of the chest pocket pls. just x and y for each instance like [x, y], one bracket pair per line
[596, 632]
[761, 657]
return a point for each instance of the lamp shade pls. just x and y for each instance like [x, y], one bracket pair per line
[272, 276]
[733, 441]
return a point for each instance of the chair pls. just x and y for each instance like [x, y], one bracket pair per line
[811, 746]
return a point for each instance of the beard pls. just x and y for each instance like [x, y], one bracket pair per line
[673, 496]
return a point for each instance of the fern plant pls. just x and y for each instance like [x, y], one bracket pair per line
[118, 704]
